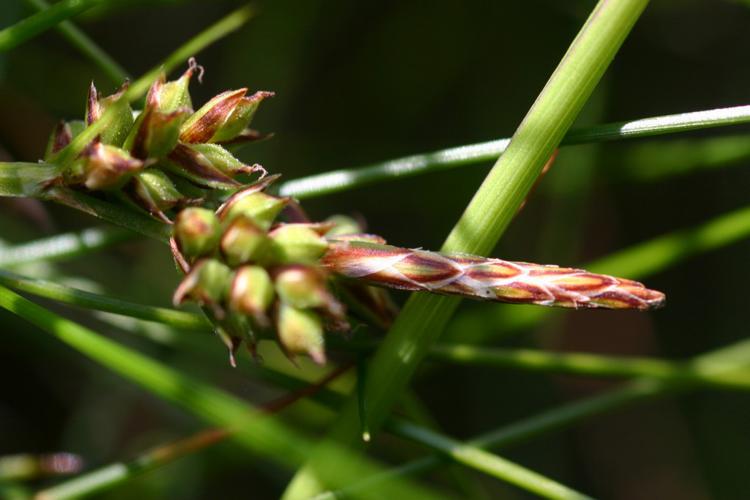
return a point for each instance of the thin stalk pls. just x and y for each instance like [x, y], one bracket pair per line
[487, 462]
[63, 246]
[26, 179]
[80, 298]
[584, 364]
[33, 25]
[483, 222]
[86, 46]
[341, 180]
[262, 435]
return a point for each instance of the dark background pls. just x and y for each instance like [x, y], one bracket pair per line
[360, 82]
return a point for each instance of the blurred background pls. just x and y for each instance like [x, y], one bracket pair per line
[361, 82]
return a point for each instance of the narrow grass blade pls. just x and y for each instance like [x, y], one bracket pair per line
[484, 461]
[26, 179]
[86, 46]
[63, 246]
[42, 21]
[80, 298]
[471, 154]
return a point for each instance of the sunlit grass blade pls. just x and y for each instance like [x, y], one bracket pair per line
[104, 303]
[259, 434]
[42, 21]
[491, 464]
[471, 154]
[63, 246]
[87, 46]
[484, 220]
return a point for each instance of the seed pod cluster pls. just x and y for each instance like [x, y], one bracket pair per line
[168, 156]
[253, 274]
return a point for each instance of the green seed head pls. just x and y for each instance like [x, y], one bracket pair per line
[302, 287]
[252, 293]
[103, 167]
[301, 332]
[197, 231]
[243, 241]
[260, 207]
[207, 283]
[298, 243]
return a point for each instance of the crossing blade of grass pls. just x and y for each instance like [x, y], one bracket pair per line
[484, 220]
[724, 362]
[637, 262]
[105, 303]
[488, 463]
[263, 435]
[63, 246]
[471, 154]
[42, 21]
[86, 46]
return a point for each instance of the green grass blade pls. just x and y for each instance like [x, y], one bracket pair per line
[223, 27]
[125, 217]
[471, 154]
[63, 246]
[498, 467]
[258, 433]
[86, 46]
[485, 219]
[26, 179]
[88, 300]
[42, 21]
[585, 364]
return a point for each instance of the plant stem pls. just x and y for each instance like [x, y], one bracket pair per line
[86, 46]
[63, 246]
[42, 21]
[484, 220]
[81, 298]
[585, 364]
[345, 179]
[489, 463]
[26, 179]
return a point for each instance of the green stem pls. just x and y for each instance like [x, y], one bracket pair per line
[63, 246]
[42, 21]
[486, 462]
[263, 435]
[86, 46]
[585, 364]
[342, 180]
[81, 298]
[26, 179]
[484, 220]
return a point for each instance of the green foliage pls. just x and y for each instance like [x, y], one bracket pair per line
[185, 371]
